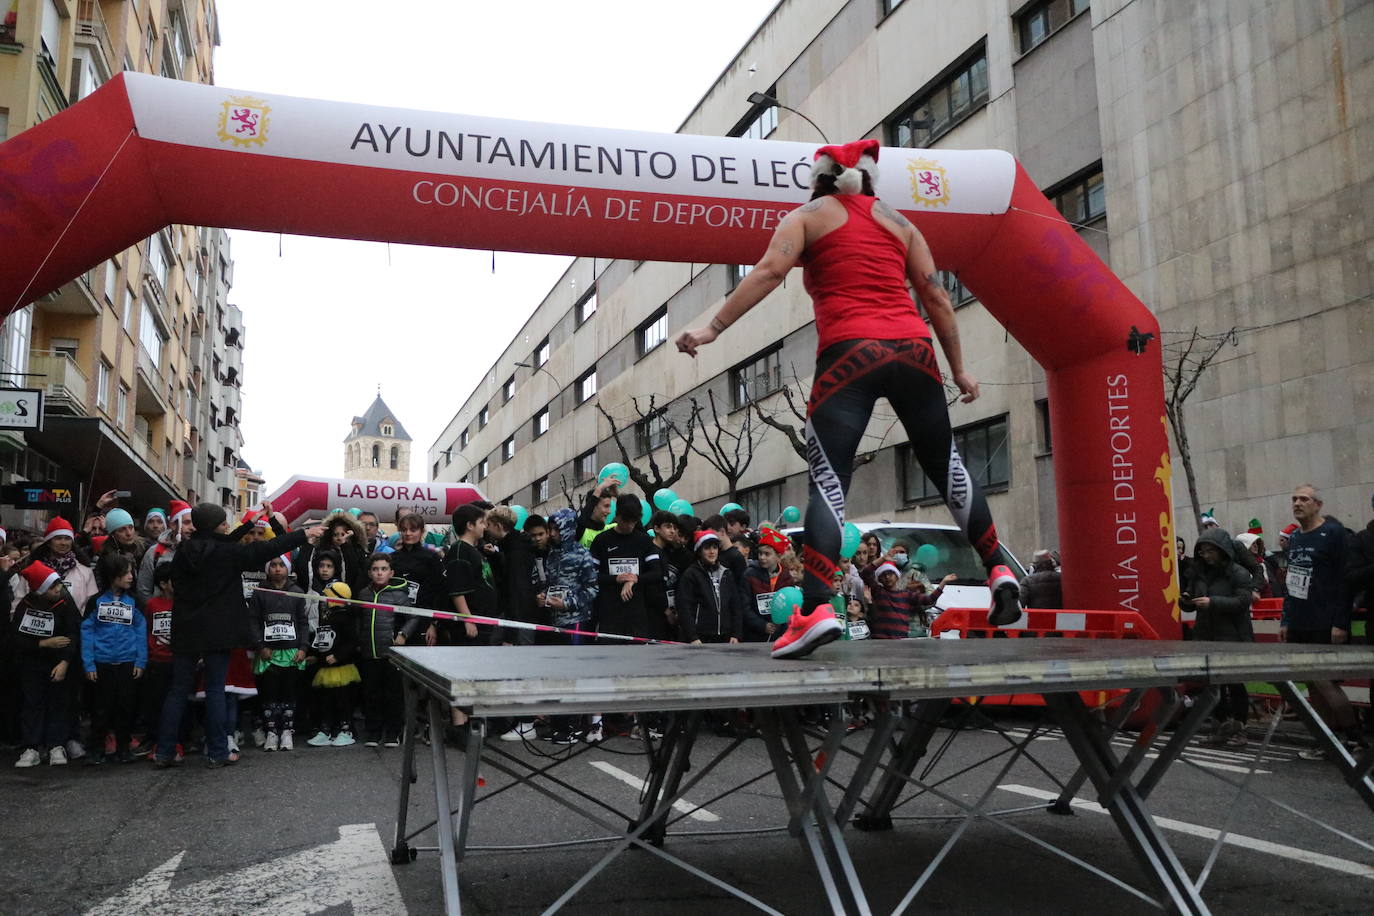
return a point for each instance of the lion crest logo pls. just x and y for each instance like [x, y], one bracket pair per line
[243, 121]
[929, 182]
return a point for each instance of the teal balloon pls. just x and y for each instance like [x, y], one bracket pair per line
[336, 512]
[729, 507]
[617, 471]
[650, 532]
[850, 539]
[785, 600]
[521, 513]
[355, 512]
[610, 516]
[646, 512]
[664, 499]
[682, 507]
[928, 555]
[791, 515]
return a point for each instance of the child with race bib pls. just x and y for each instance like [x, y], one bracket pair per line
[331, 656]
[47, 630]
[378, 630]
[282, 636]
[114, 652]
[157, 673]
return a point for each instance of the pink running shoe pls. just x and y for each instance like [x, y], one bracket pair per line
[1006, 597]
[806, 633]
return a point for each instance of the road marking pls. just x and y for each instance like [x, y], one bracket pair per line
[1345, 866]
[351, 871]
[630, 779]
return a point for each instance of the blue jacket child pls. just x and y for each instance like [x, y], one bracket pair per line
[114, 631]
[114, 652]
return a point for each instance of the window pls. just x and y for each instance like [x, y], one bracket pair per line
[463, 439]
[483, 416]
[541, 353]
[435, 473]
[122, 406]
[759, 124]
[1082, 198]
[126, 313]
[890, 5]
[756, 378]
[943, 104]
[539, 491]
[448, 456]
[584, 465]
[738, 272]
[983, 447]
[150, 336]
[159, 261]
[763, 503]
[111, 283]
[387, 429]
[586, 385]
[508, 450]
[395, 457]
[586, 306]
[4, 112]
[482, 467]
[651, 432]
[376, 455]
[653, 332]
[102, 385]
[958, 292]
[1035, 23]
[508, 390]
[541, 422]
[1044, 440]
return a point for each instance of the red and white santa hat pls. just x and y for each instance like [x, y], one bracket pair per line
[772, 537]
[705, 537]
[176, 510]
[40, 577]
[847, 162]
[887, 568]
[58, 528]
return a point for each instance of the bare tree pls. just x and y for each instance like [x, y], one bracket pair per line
[790, 419]
[569, 489]
[729, 449]
[1184, 364]
[678, 434]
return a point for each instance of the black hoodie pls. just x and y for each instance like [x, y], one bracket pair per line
[1228, 588]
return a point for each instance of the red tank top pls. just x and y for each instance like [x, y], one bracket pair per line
[856, 276]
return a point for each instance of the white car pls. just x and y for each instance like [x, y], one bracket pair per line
[956, 555]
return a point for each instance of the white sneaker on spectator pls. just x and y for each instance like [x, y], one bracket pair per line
[521, 732]
[57, 757]
[259, 738]
[269, 742]
[320, 740]
[343, 739]
[75, 751]
[287, 743]
[29, 758]
[594, 734]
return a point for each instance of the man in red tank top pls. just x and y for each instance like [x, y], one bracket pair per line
[858, 255]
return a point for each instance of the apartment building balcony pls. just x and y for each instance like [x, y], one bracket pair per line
[92, 33]
[64, 384]
[75, 298]
[148, 400]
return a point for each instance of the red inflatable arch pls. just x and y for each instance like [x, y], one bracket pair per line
[143, 152]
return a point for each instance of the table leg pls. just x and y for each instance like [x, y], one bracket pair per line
[667, 767]
[1085, 735]
[1356, 772]
[448, 853]
[915, 741]
[477, 731]
[401, 852]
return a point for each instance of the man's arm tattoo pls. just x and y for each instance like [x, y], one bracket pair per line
[933, 279]
[892, 214]
[813, 206]
[787, 247]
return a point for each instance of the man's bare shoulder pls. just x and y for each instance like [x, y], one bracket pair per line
[889, 213]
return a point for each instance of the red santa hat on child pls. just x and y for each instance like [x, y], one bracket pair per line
[772, 537]
[704, 538]
[847, 162]
[58, 528]
[176, 510]
[887, 568]
[40, 577]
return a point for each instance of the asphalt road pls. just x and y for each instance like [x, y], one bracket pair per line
[307, 832]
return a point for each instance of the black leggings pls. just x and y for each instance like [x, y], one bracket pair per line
[850, 377]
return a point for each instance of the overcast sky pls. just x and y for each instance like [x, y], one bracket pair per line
[329, 320]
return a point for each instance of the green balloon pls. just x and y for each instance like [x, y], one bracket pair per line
[791, 515]
[664, 499]
[521, 513]
[850, 539]
[729, 507]
[928, 555]
[646, 512]
[785, 600]
[355, 512]
[682, 507]
[617, 471]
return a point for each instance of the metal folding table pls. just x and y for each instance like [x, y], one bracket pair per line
[912, 683]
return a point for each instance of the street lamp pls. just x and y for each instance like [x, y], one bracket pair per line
[767, 101]
[543, 370]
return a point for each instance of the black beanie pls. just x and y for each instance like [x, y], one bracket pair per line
[207, 517]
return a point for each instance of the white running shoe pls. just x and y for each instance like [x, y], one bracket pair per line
[269, 742]
[259, 738]
[595, 734]
[343, 739]
[286, 743]
[75, 751]
[523, 731]
[57, 757]
[29, 758]
[320, 740]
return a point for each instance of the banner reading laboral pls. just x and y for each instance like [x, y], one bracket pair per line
[311, 497]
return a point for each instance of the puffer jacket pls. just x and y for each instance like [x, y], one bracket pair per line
[1229, 588]
[378, 627]
[353, 559]
[573, 570]
[116, 635]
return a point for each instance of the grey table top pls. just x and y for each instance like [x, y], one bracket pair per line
[501, 680]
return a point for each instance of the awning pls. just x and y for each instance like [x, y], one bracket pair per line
[91, 452]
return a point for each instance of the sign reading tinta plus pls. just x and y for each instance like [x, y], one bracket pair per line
[21, 408]
[56, 496]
